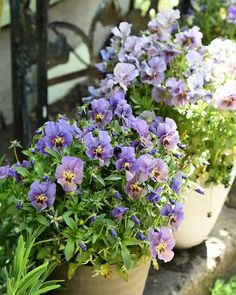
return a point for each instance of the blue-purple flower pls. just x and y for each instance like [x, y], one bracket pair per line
[99, 147]
[154, 196]
[57, 135]
[232, 14]
[6, 172]
[134, 188]
[158, 171]
[161, 244]
[177, 182]
[70, 173]
[127, 160]
[101, 112]
[119, 211]
[152, 72]
[174, 213]
[42, 194]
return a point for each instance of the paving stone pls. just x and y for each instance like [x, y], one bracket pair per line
[194, 271]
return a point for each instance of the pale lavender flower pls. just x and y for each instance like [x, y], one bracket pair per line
[140, 126]
[161, 244]
[42, 194]
[177, 91]
[174, 213]
[123, 31]
[101, 112]
[99, 147]
[189, 39]
[119, 211]
[124, 74]
[70, 173]
[158, 170]
[133, 188]
[152, 72]
[167, 17]
[144, 163]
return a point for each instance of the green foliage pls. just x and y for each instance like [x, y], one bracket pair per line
[22, 278]
[222, 288]
[211, 17]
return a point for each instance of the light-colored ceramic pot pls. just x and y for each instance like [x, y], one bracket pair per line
[200, 215]
[84, 284]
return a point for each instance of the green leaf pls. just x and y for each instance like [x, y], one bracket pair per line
[98, 178]
[113, 177]
[43, 220]
[130, 242]
[72, 269]
[52, 153]
[83, 257]
[23, 171]
[69, 221]
[126, 257]
[69, 249]
[122, 273]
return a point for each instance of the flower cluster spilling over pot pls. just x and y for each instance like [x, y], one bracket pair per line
[169, 72]
[107, 187]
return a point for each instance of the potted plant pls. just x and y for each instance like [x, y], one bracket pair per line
[170, 72]
[107, 189]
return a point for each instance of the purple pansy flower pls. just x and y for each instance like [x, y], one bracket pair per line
[123, 31]
[6, 172]
[70, 173]
[42, 194]
[133, 188]
[99, 147]
[232, 14]
[154, 196]
[177, 91]
[124, 111]
[158, 170]
[119, 211]
[57, 135]
[161, 244]
[127, 160]
[124, 73]
[153, 71]
[116, 97]
[101, 113]
[174, 213]
[190, 38]
[177, 182]
[144, 163]
[41, 146]
[142, 128]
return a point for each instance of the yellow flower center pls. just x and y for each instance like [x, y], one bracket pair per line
[40, 199]
[135, 188]
[161, 247]
[127, 165]
[188, 41]
[68, 176]
[99, 117]
[155, 173]
[228, 100]
[172, 219]
[98, 151]
[58, 141]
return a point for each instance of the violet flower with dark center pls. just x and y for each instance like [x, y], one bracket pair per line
[101, 112]
[133, 188]
[154, 196]
[161, 244]
[152, 72]
[189, 39]
[127, 160]
[99, 147]
[174, 213]
[158, 171]
[42, 194]
[70, 173]
[119, 211]
[57, 135]
[124, 74]
[227, 102]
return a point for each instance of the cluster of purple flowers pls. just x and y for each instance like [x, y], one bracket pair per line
[177, 67]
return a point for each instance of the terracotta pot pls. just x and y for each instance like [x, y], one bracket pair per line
[200, 216]
[84, 284]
